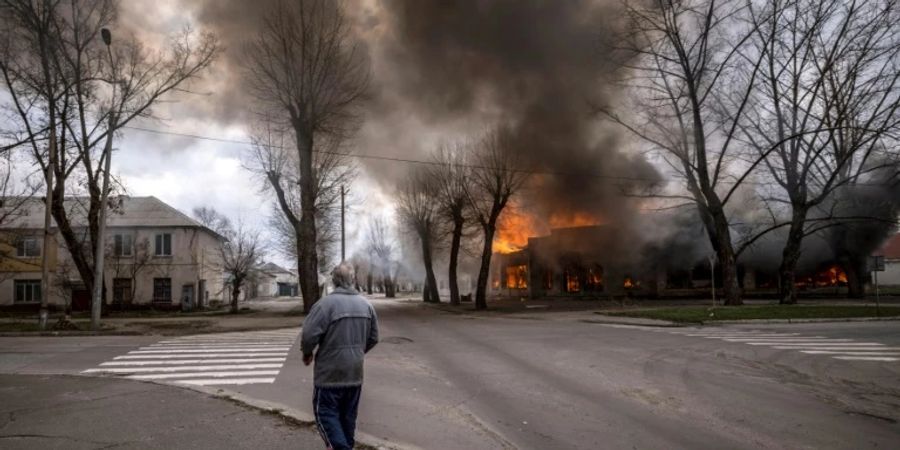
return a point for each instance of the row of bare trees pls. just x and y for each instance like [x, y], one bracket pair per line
[794, 100]
[467, 185]
[67, 93]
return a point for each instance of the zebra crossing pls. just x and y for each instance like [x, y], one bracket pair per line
[233, 358]
[842, 349]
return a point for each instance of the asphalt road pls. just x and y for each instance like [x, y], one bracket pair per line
[462, 381]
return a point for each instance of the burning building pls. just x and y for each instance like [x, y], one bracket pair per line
[592, 260]
[604, 261]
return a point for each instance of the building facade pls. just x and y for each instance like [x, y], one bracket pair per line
[155, 255]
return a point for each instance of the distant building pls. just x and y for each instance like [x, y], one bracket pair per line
[891, 253]
[273, 280]
[155, 255]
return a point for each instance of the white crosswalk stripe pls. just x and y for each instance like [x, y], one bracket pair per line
[237, 358]
[838, 348]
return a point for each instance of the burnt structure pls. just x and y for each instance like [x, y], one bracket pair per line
[601, 261]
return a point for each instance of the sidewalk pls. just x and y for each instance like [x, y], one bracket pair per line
[255, 315]
[67, 412]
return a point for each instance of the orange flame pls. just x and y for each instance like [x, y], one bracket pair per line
[514, 229]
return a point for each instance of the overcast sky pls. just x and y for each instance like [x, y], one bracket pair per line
[440, 71]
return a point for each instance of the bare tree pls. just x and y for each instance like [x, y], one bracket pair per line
[69, 94]
[381, 247]
[418, 208]
[827, 102]
[688, 60]
[304, 65]
[493, 181]
[277, 164]
[451, 174]
[210, 218]
[239, 257]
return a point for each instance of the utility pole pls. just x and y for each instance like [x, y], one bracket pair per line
[44, 314]
[343, 240]
[100, 250]
[712, 276]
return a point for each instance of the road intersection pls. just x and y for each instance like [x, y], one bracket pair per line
[455, 381]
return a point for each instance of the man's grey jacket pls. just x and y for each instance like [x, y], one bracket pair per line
[344, 327]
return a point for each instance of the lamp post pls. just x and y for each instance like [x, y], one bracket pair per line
[100, 245]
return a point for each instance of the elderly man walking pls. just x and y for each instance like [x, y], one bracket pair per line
[344, 327]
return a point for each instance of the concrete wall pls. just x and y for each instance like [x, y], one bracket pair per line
[891, 274]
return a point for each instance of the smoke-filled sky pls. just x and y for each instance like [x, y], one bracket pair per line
[441, 70]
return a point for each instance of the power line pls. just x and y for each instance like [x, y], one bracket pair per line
[432, 163]
[392, 158]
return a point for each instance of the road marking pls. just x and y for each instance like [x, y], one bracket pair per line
[166, 376]
[851, 353]
[842, 343]
[210, 350]
[205, 355]
[182, 368]
[229, 381]
[209, 359]
[190, 361]
[220, 345]
[866, 358]
[782, 338]
[838, 348]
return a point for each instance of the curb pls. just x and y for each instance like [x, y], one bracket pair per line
[298, 417]
[295, 415]
[745, 321]
[659, 324]
[824, 320]
[68, 333]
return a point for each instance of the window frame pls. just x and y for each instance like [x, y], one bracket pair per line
[32, 287]
[159, 298]
[119, 247]
[22, 247]
[117, 285]
[159, 245]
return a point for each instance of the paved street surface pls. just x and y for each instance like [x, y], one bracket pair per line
[461, 381]
[64, 412]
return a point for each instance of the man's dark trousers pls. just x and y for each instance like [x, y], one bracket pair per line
[335, 409]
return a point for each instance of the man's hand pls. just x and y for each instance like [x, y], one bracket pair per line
[307, 360]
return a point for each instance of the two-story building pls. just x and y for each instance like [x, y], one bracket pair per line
[155, 254]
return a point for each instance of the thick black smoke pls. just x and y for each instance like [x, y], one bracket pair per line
[537, 65]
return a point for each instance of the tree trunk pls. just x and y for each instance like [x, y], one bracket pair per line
[308, 259]
[369, 282]
[389, 291]
[454, 257]
[790, 255]
[235, 293]
[430, 280]
[855, 268]
[731, 288]
[73, 243]
[484, 271]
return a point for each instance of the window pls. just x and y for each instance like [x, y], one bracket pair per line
[123, 244]
[517, 277]
[163, 244]
[122, 290]
[28, 291]
[162, 290]
[28, 248]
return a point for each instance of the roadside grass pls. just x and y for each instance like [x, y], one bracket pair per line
[700, 314]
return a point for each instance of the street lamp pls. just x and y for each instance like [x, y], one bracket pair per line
[100, 245]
